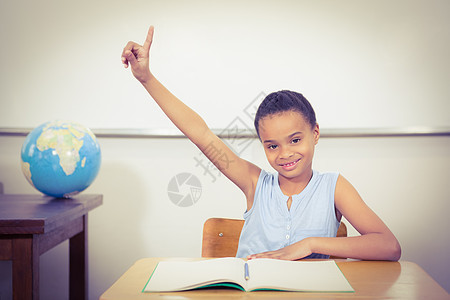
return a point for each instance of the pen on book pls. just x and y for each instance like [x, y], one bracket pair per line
[247, 274]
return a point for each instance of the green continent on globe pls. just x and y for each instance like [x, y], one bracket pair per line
[26, 171]
[63, 142]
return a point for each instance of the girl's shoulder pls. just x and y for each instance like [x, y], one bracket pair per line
[328, 176]
[326, 173]
[266, 179]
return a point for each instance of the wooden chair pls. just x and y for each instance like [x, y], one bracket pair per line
[221, 237]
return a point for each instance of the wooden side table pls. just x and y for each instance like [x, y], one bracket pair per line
[33, 224]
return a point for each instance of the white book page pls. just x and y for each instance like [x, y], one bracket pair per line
[179, 275]
[319, 276]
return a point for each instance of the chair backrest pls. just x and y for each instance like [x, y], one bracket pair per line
[221, 236]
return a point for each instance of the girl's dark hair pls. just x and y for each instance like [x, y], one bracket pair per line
[282, 101]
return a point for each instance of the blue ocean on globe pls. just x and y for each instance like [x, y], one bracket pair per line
[60, 159]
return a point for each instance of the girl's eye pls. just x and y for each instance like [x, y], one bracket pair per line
[272, 147]
[295, 141]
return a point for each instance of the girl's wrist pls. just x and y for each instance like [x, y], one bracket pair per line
[312, 244]
[147, 80]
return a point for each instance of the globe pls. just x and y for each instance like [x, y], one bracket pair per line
[60, 158]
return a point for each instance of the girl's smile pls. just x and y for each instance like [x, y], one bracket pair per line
[290, 166]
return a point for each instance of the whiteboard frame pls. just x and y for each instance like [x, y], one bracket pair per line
[223, 133]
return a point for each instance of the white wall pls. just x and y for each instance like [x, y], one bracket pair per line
[405, 180]
[361, 64]
[386, 60]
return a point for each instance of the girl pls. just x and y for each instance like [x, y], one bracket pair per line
[294, 213]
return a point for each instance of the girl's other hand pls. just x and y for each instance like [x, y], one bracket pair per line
[295, 251]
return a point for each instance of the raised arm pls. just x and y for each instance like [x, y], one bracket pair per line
[241, 172]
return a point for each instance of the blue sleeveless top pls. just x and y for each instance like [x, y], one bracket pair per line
[269, 225]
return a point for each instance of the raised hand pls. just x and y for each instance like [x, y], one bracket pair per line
[137, 57]
[241, 172]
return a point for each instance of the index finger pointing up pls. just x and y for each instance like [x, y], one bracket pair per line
[149, 39]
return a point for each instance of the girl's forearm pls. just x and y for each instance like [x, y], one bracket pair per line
[184, 118]
[372, 246]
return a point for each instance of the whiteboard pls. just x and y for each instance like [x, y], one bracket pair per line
[362, 64]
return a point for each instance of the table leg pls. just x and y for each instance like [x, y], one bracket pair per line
[78, 264]
[25, 268]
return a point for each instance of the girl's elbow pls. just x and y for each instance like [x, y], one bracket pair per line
[395, 251]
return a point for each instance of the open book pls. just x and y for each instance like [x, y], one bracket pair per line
[257, 274]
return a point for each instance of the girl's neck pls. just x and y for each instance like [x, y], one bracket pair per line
[294, 186]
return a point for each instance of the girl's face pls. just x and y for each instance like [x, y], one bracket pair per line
[289, 143]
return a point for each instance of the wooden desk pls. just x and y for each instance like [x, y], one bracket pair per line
[370, 279]
[32, 224]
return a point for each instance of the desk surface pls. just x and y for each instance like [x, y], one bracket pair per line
[38, 214]
[370, 279]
